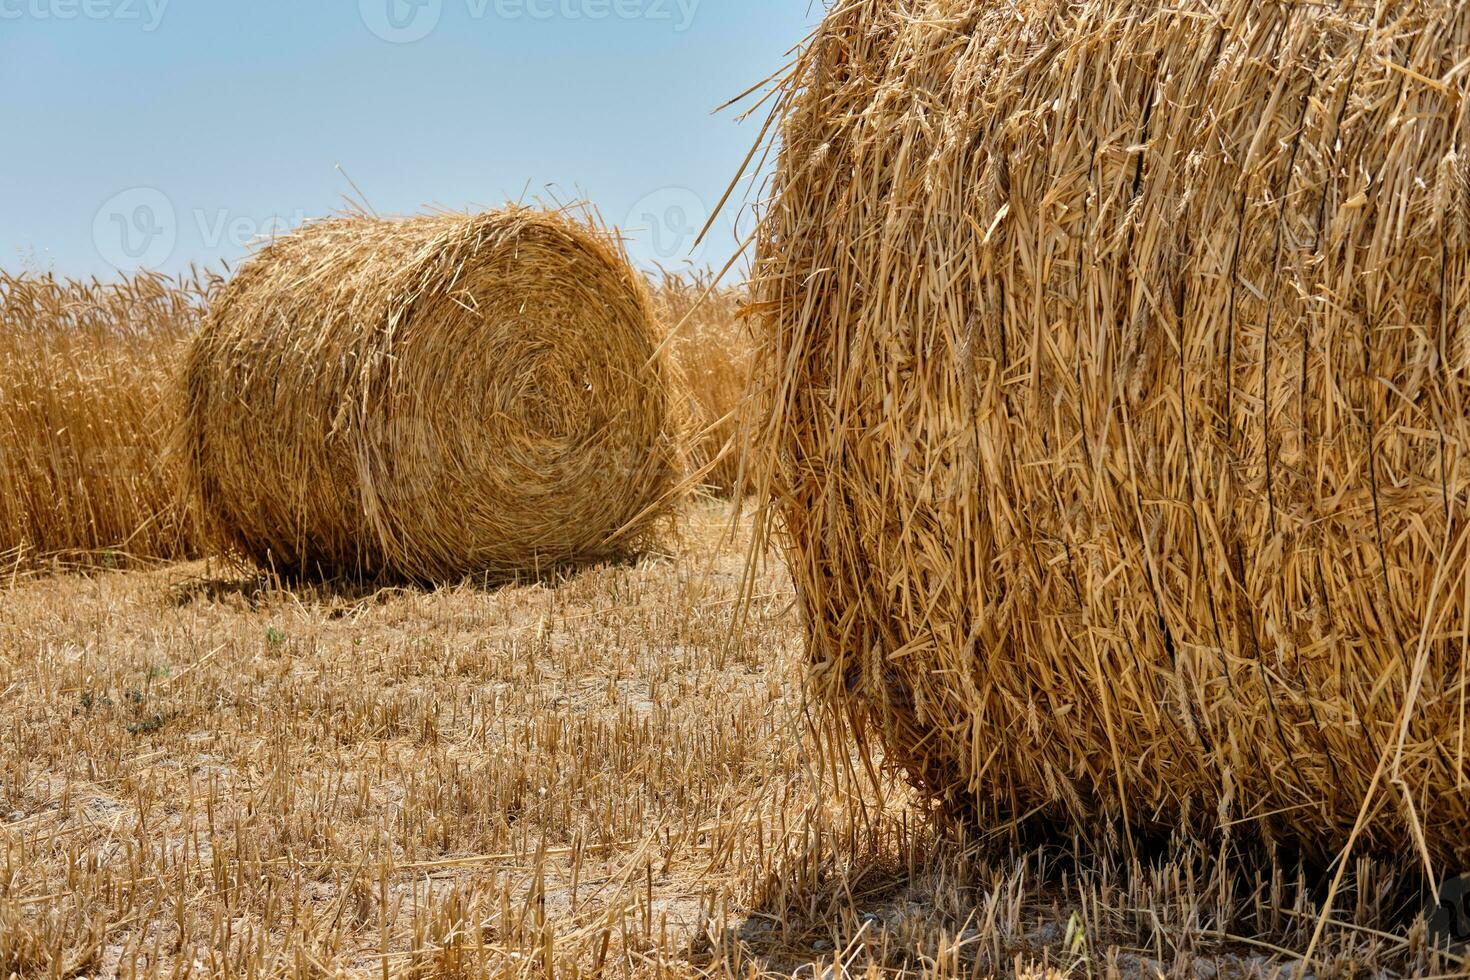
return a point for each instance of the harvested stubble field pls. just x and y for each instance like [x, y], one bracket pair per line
[610, 773]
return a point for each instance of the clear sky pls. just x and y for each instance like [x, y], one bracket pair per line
[161, 133]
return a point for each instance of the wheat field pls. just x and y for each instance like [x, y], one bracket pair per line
[713, 348]
[86, 407]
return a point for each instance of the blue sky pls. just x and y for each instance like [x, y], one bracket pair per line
[162, 133]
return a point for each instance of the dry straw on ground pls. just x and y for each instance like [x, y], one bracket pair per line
[432, 397]
[713, 350]
[1116, 357]
[86, 404]
[608, 774]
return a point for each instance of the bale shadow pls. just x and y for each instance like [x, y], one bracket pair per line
[20, 566]
[344, 593]
[943, 903]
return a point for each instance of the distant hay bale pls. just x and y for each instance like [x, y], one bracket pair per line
[87, 403]
[713, 350]
[1116, 364]
[431, 398]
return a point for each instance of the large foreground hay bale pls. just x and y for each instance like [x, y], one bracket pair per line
[431, 398]
[1118, 358]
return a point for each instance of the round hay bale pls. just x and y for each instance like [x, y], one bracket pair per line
[1116, 363]
[431, 398]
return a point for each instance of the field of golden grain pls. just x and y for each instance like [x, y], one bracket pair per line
[712, 347]
[87, 401]
[614, 772]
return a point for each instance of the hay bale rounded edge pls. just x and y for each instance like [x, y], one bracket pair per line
[431, 398]
[1116, 364]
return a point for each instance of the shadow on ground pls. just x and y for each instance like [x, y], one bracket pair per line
[937, 905]
[343, 594]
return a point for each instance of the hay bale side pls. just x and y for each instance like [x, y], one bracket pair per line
[431, 398]
[87, 405]
[1115, 363]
